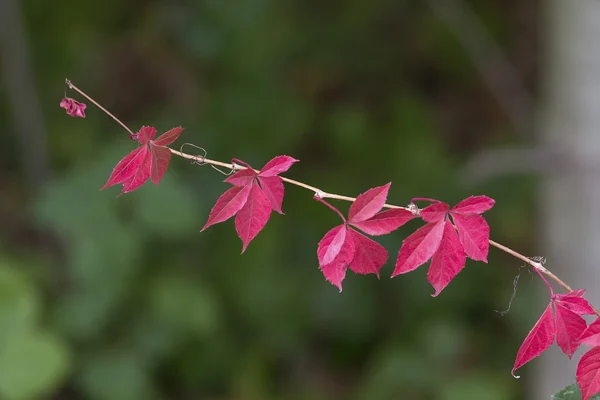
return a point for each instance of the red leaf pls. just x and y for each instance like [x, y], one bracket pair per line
[575, 302]
[127, 167]
[474, 205]
[448, 260]
[253, 216]
[588, 373]
[435, 212]
[274, 190]
[537, 341]
[145, 134]
[242, 178]
[569, 327]
[419, 247]
[335, 271]
[384, 222]
[73, 107]
[161, 156]
[591, 336]
[369, 255]
[330, 246]
[141, 175]
[228, 204]
[168, 137]
[474, 234]
[277, 165]
[368, 204]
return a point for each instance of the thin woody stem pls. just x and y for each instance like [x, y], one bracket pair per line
[320, 194]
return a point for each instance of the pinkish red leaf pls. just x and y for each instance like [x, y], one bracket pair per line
[145, 134]
[228, 204]
[384, 222]
[575, 302]
[330, 246]
[241, 178]
[141, 175]
[569, 327]
[474, 205]
[161, 156]
[127, 167]
[537, 341]
[434, 212]
[73, 107]
[274, 190]
[448, 260]
[588, 373]
[168, 137]
[368, 203]
[369, 256]
[419, 247]
[474, 234]
[253, 216]
[335, 271]
[277, 165]
[591, 336]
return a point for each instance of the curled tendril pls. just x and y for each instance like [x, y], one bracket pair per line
[199, 159]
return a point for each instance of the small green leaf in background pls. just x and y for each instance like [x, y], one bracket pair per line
[571, 392]
[31, 364]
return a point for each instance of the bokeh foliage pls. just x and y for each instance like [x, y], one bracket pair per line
[123, 299]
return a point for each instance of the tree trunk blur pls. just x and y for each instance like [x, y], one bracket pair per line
[570, 192]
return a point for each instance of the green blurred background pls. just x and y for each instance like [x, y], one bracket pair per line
[122, 298]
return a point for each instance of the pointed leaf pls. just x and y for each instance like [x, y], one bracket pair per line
[161, 156]
[277, 165]
[141, 175]
[537, 341]
[448, 260]
[384, 222]
[419, 247]
[227, 205]
[474, 205]
[569, 327]
[145, 134]
[127, 167]
[335, 271]
[273, 188]
[474, 234]
[253, 216]
[369, 256]
[434, 212]
[575, 302]
[168, 137]
[588, 373]
[241, 178]
[368, 203]
[591, 335]
[330, 246]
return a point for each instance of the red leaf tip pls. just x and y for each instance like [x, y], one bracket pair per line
[73, 107]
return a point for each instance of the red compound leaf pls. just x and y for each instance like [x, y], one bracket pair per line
[150, 160]
[252, 198]
[588, 373]
[435, 212]
[448, 260]
[569, 327]
[255, 214]
[539, 339]
[591, 335]
[73, 107]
